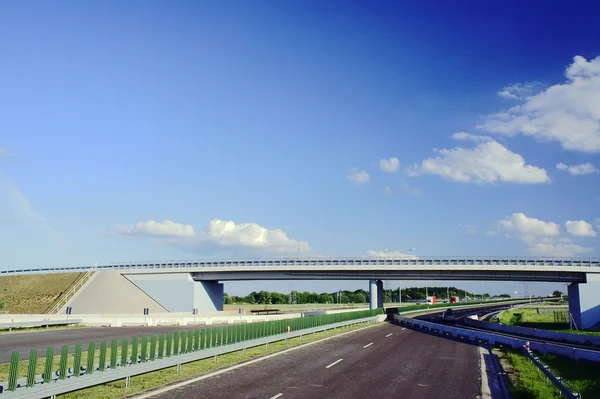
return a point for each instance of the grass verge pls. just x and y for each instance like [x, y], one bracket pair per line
[528, 382]
[546, 319]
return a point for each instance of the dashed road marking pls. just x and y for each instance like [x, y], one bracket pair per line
[403, 329]
[366, 346]
[388, 335]
[334, 363]
[276, 396]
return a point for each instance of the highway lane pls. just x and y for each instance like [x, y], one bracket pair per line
[462, 313]
[23, 342]
[383, 361]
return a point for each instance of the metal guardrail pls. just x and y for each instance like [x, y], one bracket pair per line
[40, 323]
[333, 261]
[58, 387]
[564, 387]
[493, 339]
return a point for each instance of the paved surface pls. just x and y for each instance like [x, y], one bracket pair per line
[461, 314]
[406, 364]
[24, 342]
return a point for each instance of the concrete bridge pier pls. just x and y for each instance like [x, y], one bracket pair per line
[375, 294]
[584, 301]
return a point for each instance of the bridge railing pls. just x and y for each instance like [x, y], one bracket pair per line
[331, 261]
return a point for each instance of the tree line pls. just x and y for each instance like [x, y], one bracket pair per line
[358, 296]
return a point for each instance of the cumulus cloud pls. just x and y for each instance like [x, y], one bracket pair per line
[542, 238]
[389, 165]
[221, 233]
[520, 91]
[357, 176]
[390, 254]
[580, 228]
[526, 226]
[472, 137]
[161, 229]
[488, 162]
[568, 113]
[576, 170]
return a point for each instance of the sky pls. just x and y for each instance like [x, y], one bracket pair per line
[153, 130]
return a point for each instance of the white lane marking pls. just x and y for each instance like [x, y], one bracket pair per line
[366, 346]
[403, 329]
[334, 363]
[276, 396]
[388, 335]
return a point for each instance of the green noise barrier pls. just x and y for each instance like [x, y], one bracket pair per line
[167, 345]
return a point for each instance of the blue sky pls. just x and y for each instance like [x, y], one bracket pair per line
[153, 130]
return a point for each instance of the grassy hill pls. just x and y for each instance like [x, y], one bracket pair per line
[34, 293]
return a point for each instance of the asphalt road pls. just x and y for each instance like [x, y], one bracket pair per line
[383, 361]
[461, 314]
[24, 342]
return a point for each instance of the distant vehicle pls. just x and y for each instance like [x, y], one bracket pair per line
[431, 300]
[453, 299]
[448, 315]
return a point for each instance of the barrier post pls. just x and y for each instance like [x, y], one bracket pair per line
[196, 340]
[153, 347]
[48, 365]
[202, 339]
[13, 372]
[169, 345]
[190, 346]
[114, 347]
[124, 350]
[77, 361]
[62, 367]
[33, 358]
[134, 350]
[90, 358]
[144, 354]
[161, 346]
[102, 360]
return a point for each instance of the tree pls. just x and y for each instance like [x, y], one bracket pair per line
[359, 298]
[227, 299]
[556, 294]
[264, 297]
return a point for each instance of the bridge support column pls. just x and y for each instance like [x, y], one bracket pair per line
[373, 294]
[379, 294]
[584, 301]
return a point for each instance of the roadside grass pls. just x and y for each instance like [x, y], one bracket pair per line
[583, 375]
[34, 293]
[546, 319]
[159, 378]
[527, 381]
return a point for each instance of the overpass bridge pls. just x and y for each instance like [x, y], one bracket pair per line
[172, 286]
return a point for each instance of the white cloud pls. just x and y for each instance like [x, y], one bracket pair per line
[558, 249]
[491, 233]
[472, 137]
[389, 165]
[526, 226]
[489, 162]
[357, 176]
[576, 170]
[222, 233]
[520, 91]
[580, 228]
[542, 238]
[162, 229]
[390, 254]
[402, 186]
[568, 113]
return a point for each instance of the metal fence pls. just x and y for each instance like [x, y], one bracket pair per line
[118, 360]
